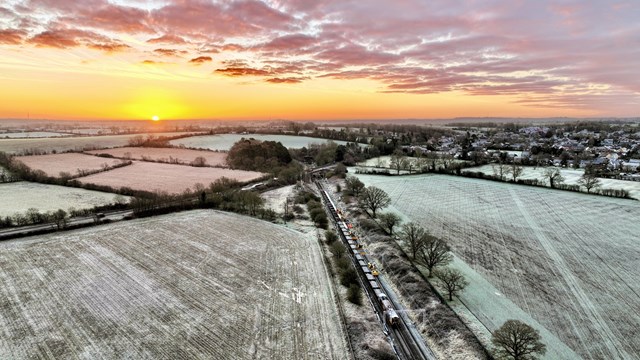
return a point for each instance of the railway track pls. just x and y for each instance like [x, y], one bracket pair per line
[404, 337]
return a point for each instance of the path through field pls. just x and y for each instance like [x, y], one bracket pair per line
[572, 261]
[200, 284]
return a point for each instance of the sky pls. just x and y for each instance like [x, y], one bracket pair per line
[315, 60]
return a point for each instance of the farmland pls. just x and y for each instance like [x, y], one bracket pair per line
[224, 142]
[199, 284]
[169, 155]
[18, 197]
[571, 177]
[72, 163]
[19, 146]
[156, 177]
[31, 134]
[569, 260]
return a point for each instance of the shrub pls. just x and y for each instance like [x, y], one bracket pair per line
[354, 294]
[330, 236]
[348, 276]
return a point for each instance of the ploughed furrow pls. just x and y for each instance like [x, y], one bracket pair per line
[199, 284]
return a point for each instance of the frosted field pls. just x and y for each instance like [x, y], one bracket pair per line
[570, 260]
[199, 284]
[224, 142]
[184, 156]
[571, 177]
[17, 146]
[32, 134]
[18, 197]
[71, 163]
[157, 177]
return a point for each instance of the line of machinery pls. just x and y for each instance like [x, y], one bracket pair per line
[406, 343]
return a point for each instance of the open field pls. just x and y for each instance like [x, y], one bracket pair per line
[224, 142]
[571, 261]
[182, 156]
[571, 177]
[32, 134]
[72, 163]
[18, 197]
[159, 177]
[19, 146]
[199, 284]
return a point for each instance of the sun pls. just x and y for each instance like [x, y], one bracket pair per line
[155, 118]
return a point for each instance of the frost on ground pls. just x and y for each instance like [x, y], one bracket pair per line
[159, 177]
[182, 156]
[571, 177]
[32, 134]
[199, 284]
[71, 163]
[275, 199]
[224, 142]
[18, 146]
[571, 261]
[18, 197]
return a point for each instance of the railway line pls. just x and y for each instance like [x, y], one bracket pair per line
[405, 339]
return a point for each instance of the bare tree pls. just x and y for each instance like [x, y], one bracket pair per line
[554, 176]
[413, 235]
[389, 221]
[590, 181]
[452, 279]
[500, 169]
[518, 341]
[433, 252]
[373, 199]
[516, 170]
[398, 161]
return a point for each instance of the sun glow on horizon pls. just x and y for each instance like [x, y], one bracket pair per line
[155, 118]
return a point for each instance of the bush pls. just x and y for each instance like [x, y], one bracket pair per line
[330, 236]
[348, 276]
[337, 249]
[354, 294]
[369, 225]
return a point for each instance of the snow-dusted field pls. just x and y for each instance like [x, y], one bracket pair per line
[157, 177]
[17, 146]
[183, 156]
[199, 284]
[32, 134]
[571, 177]
[72, 163]
[571, 261]
[224, 142]
[18, 197]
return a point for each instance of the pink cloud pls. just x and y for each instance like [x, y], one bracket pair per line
[242, 71]
[286, 80]
[411, 46]
[201, 60]
[168, 39]
[169, 52]
[11, 36]
[68, 38]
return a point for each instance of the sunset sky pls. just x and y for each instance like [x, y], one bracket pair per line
[308, 59]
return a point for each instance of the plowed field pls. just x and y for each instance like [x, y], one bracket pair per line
[165, 177]
[182, 156]
[199, 285]
[72, 163]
